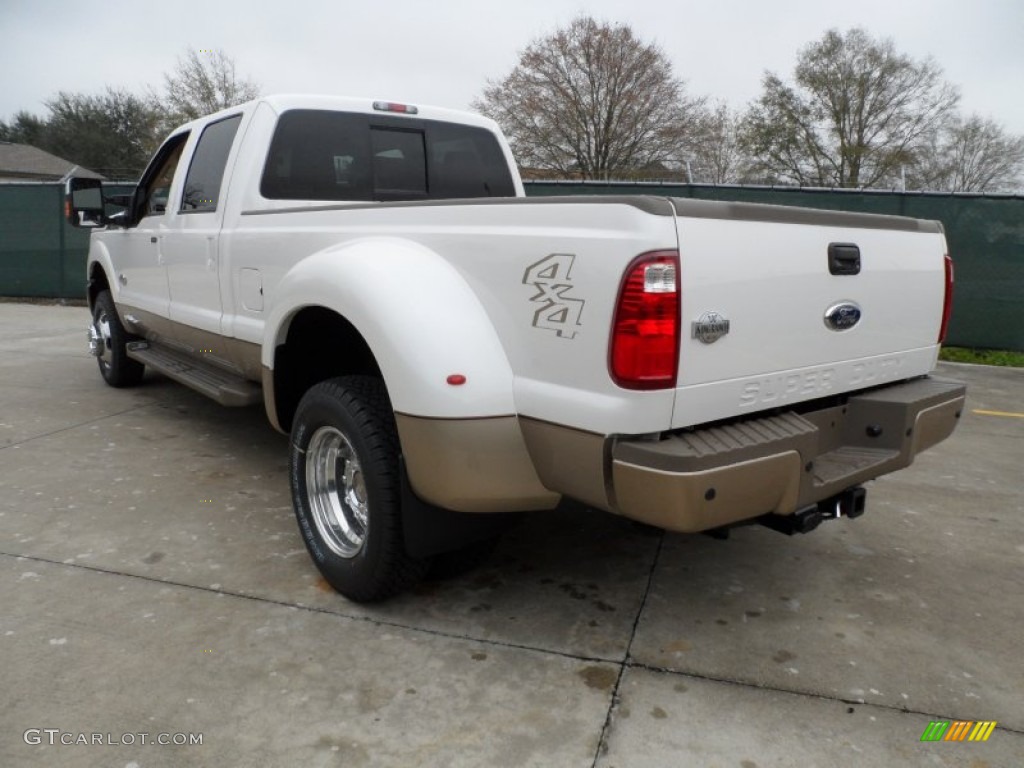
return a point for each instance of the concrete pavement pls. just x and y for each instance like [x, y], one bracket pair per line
[152, 581]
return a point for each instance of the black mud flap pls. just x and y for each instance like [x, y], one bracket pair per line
[431, 530]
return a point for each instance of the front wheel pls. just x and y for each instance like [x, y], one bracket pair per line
[107, 339]
[344, 474]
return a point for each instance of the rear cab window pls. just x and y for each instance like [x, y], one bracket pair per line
[340, 156]
[399, 164]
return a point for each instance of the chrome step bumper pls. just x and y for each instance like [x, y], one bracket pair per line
[707, 478]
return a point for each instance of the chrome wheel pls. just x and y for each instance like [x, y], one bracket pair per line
[101, 337]
[108, 344]
[337, 491]
[345, 473]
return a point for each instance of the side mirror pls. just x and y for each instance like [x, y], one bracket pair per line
[83, 203]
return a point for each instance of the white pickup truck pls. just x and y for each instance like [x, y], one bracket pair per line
[436, 343]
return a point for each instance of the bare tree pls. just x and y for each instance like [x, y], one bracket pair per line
[591, 100]
[856, 112]
[204, 82]
[715, 153]
[971, 154]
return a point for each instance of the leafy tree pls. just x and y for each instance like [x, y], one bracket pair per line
[114, 133]
[203, 82]
[971, 154]
[592, 100]
[856, 111]
[25, 128]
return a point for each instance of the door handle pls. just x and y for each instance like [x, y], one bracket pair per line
[152, 239]
[843, 259]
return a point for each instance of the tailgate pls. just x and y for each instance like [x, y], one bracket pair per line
[798, 327]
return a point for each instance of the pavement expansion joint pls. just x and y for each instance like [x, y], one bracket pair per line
[602, 742]
[74, 426]
[653, 668]
[376, 621]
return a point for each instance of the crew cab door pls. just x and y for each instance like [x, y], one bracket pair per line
[189, 240]
[135, 251]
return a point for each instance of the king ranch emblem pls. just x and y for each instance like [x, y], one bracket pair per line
[710, 327]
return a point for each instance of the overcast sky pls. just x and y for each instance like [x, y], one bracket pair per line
[442, 51]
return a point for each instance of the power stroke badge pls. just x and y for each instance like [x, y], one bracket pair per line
[556, 310]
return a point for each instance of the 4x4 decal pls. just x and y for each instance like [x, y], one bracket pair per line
[556, 311]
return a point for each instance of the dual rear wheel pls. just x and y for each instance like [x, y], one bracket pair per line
[347, 493]
[346, 488]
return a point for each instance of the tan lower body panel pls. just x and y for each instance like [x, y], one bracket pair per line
[270, 398]
[935, 424]
[696, 501]
[706, 478]
[239, 357]
[471, 465]
[568, 461]
[694, 480]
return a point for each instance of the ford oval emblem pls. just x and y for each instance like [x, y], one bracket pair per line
[842, 316]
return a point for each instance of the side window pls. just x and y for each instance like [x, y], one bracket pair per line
[318, 155]
[206, 171]
[155, 187]
[399, 164]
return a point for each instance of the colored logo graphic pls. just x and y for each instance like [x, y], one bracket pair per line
[958, 730]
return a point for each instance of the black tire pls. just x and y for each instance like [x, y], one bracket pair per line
[117, 369]
[346, 489]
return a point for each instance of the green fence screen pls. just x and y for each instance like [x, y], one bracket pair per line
[42, 256]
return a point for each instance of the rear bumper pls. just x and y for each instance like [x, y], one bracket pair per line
[711, 477]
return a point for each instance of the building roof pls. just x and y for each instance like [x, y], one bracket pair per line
[25, 162]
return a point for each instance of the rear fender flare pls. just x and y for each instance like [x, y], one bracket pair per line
[421, 320]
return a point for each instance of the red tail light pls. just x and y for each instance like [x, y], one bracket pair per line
[947, 302]
[645, 332]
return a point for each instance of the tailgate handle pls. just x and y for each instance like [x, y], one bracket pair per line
[843, 259]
